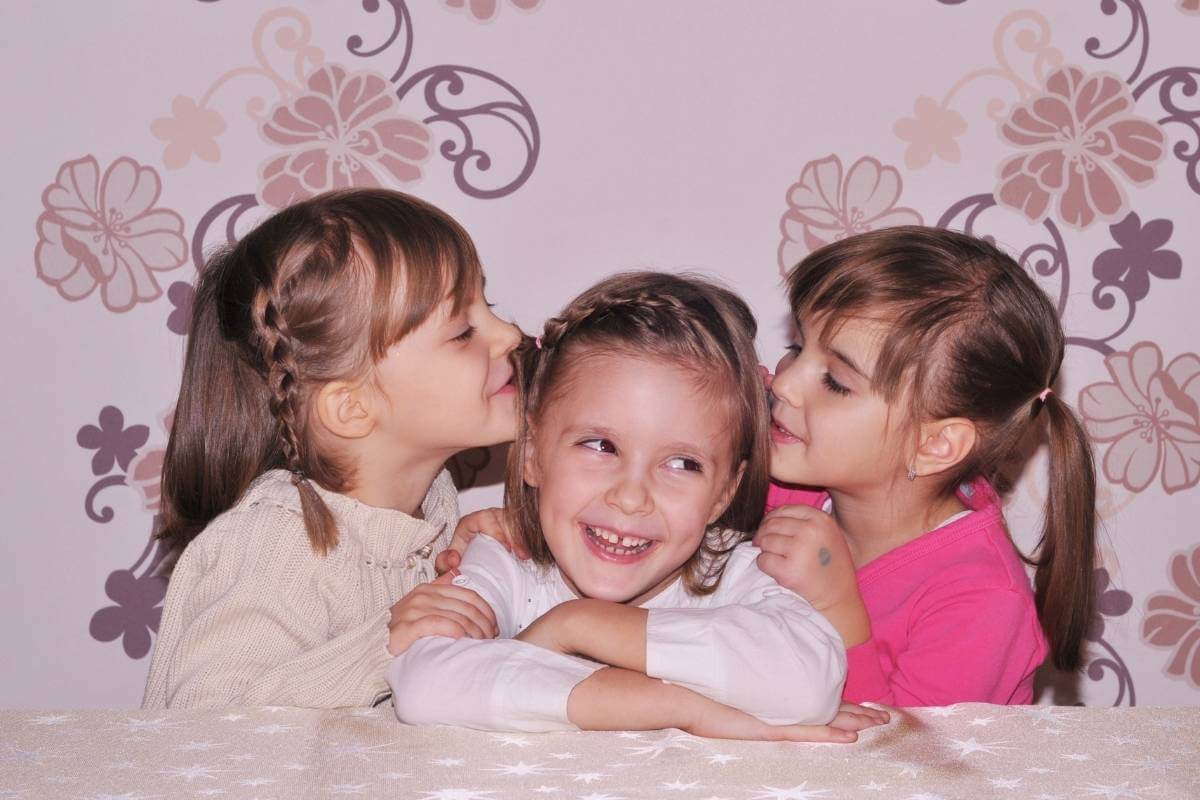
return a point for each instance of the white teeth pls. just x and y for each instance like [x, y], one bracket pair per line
[618, 544]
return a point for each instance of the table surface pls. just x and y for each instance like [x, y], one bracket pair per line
[965, 751]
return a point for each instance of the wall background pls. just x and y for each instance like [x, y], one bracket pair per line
[585, 138]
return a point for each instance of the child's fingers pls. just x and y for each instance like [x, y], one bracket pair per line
[438, 625]
[459, 614]
[771, 564]
[446, 561]
[875, 713]
[466, 602]
[810, 733]
[776, 543]
[847, 721]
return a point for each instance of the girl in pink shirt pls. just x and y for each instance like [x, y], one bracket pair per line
[923, 359]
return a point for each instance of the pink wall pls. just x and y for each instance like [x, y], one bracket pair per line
[729, 138]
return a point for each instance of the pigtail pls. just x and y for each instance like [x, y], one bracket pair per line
[283, 386]
[1066, 558]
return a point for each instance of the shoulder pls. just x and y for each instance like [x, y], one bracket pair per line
[742, 581]
[263, 530]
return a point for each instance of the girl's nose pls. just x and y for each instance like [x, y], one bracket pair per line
[630, 495]
[786, 384]
[505, 339]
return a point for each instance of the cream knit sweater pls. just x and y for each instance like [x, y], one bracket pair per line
[254, 617]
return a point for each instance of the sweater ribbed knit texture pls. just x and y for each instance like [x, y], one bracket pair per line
[254, 617]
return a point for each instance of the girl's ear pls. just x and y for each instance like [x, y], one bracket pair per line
[943, 444]
[530, 470]
[346, 409]
[726, 496]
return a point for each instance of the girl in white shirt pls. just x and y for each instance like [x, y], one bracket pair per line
[641, 457]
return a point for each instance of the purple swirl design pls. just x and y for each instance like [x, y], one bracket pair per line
[471, 161]
[1174, 85]
[1137, 25]
[1043, 258]
[444, 90]
[402, 22]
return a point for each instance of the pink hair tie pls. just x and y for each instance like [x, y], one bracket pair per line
[538, 343]
[1045, 393]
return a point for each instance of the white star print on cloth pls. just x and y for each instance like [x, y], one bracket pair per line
[924, 754]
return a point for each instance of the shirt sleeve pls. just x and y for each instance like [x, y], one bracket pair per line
[964, 645]
[486, 684]
[766, 652]
[248, 624]
[498, 577]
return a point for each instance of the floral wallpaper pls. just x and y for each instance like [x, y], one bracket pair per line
[571, 141]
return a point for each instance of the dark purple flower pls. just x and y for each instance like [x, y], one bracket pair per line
[1139, 256]
[1109, 603]
[112, 441]
[180, 294]
[138, 611]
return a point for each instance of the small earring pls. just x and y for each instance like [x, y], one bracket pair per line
[911, 474]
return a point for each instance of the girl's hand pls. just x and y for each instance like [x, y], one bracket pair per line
[718, 721]
[490, 522]
[853, 717]
[439, 609]
[804, 550]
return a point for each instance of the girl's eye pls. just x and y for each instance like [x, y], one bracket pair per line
[794, 348]
[599, 445]
[833, 386]
[686, 464]
[466, 335]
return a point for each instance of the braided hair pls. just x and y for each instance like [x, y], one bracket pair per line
[316, 293]
[685, 321]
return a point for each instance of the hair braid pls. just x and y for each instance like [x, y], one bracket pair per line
[283, 379]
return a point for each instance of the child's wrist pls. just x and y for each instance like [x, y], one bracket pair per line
[849, 618]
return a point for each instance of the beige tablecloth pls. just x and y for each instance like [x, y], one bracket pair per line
[966, 751]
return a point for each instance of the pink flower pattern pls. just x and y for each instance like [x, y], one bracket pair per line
[107, 232]
[485, 10]
[1174, 622]
[1078, 140]
[344, 131]
[932, 130]
[1152, 417]
[825, 205]
[190, 130]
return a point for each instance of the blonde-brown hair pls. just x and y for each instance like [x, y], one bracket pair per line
[316, 293]
[970, 334]
[684, 321]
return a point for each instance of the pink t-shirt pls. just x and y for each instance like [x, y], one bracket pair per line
[952, 613]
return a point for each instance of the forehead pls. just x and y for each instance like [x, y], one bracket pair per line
[862, 335]
[654, 402]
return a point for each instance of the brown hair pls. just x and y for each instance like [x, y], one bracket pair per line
[315, 293]
[970, 334]
[682, 320]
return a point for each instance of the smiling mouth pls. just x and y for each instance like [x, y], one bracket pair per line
[615, 544]
[782, 434]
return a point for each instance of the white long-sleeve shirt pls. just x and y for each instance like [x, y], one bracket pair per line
[751, 644]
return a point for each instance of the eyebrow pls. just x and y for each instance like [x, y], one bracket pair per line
[849, 362]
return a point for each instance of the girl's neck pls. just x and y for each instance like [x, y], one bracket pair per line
[877, 523]
[396, 480]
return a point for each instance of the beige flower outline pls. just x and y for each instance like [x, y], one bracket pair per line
[1151, 416]
[828, 204]
[107, 232]
[1173, 621]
